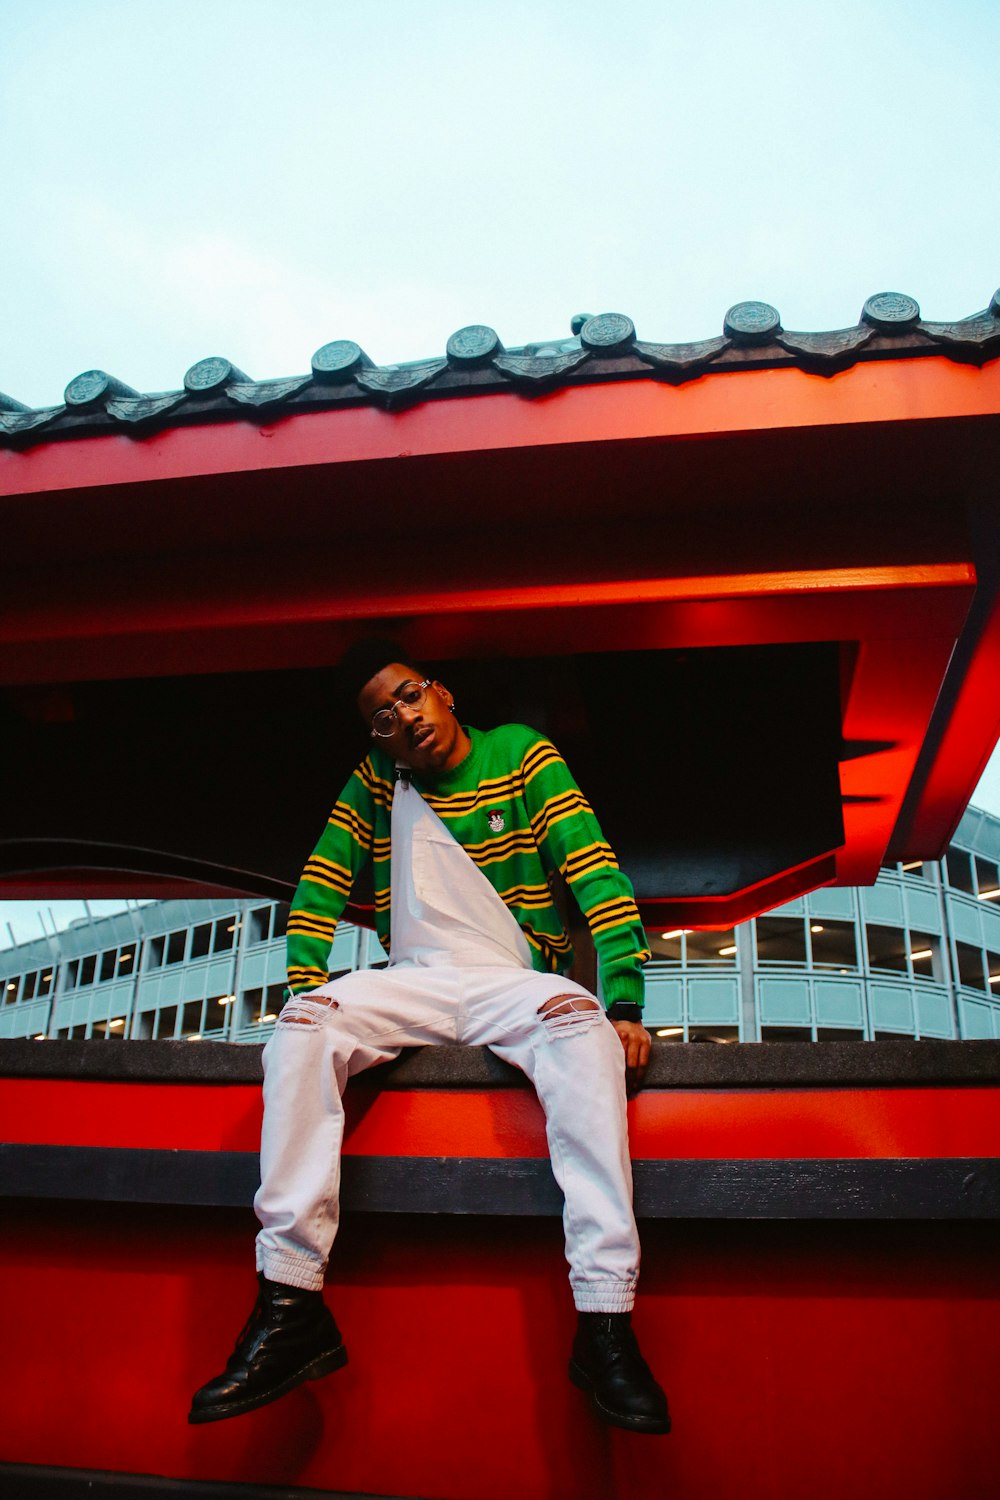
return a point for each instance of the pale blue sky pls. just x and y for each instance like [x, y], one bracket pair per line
[253, 178]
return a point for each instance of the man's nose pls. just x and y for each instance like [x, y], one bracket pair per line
[408, 713]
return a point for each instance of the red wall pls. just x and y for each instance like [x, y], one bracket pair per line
[801, 1358]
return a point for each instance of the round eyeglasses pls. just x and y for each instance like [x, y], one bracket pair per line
[386, 721]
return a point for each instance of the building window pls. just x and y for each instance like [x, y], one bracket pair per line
[887, 949]
[785, 1034]
[217, 1011]
[261, 1007]
[201, 940]
[281, 911]
[668, 947]
[155, 948]
[225, 934]
[191, 1019]
[176, 945]
[925, 956]
[993, 971]
[781, 940]
[166, 1022]
[959, 868]
[834, 944]
[72, 970]
[260, 924]
[10, 992]
[988, 879]
[88, 968]
[713, 1033]
[682, 945]
[918, 869]
[970, 966]
[274, 999]
[114, 1028]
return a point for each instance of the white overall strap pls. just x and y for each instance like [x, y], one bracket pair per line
[442, 903]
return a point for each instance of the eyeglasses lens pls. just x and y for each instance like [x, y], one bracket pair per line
[384, 723]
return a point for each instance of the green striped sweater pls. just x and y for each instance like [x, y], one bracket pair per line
[516, 810]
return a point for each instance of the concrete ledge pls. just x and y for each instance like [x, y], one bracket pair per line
[757, 1065]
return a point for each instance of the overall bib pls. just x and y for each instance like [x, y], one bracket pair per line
[460, 972]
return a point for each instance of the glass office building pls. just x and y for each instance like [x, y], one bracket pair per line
[915, 955]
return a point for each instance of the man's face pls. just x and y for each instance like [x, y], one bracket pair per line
[427, 737]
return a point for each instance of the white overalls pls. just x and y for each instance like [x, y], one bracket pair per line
[460, 972]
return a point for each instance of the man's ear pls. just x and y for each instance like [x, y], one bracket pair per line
[443, 692]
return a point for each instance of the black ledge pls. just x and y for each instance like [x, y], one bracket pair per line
[42, 1482]
[783, 1188]
[694, 1066]
[602, 348]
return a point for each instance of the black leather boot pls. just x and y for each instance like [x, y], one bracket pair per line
[290, 1337]
[606, 1362]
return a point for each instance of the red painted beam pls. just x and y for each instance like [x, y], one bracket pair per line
[736, 402]
[664, 1124]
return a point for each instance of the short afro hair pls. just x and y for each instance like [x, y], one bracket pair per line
[368, 656]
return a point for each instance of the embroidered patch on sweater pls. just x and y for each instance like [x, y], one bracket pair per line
[497, 822]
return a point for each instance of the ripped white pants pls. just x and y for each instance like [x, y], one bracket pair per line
[571, 1054]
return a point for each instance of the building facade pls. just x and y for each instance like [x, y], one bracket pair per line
[915, 955]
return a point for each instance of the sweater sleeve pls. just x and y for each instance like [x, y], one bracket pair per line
[326, 882]
[569, 839]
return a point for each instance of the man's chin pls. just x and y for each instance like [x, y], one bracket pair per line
[428, 760]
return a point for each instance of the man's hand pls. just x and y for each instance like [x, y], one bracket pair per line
[635, 1039]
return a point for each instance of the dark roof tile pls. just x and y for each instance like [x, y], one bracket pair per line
[94, 388]
[891, 312]
[682, 357]
[213, 374]
[403, 380]
[752, 323]
[266, 392]
[599, 348]
[535, 369]
[839, 344]
[143, 408]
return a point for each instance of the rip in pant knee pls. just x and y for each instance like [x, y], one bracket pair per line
[569, 1013]
[305, 1010]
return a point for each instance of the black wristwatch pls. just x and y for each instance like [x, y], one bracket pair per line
[624, 1010]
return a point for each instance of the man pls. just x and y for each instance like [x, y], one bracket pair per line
[464, 830]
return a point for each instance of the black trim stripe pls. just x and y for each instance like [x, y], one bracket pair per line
[498, 789]
[311, 923]
[316, 873]
[379, 789]
[538, 896]
[520, 841]
[538, 757]
[345, 817]
[43, 1482]
[592, 857]
[305, 976]
[566, 805]
[911, 1188]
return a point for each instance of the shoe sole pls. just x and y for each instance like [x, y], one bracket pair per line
[583, 1382]
[325, 1364]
